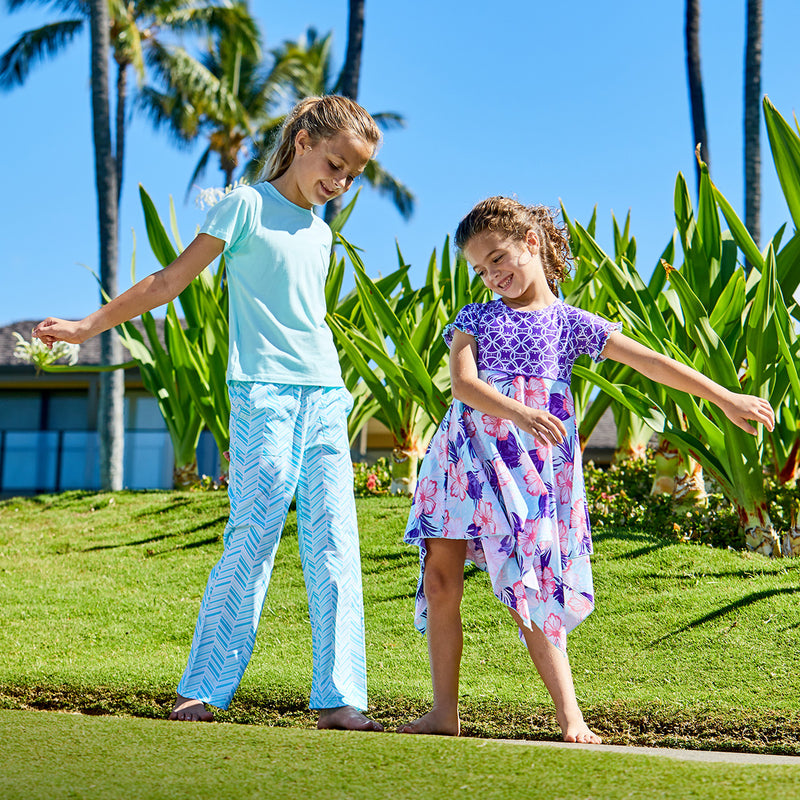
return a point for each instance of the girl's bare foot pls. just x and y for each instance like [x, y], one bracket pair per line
[574, 729]
[434, 722]
[188, 710]
[346, 718]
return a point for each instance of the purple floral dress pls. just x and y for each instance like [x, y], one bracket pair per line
[520, 503]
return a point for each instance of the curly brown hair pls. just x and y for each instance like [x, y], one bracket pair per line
[510, 217]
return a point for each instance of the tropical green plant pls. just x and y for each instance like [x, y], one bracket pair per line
[393, 343]
[198, 351]
[731, 329]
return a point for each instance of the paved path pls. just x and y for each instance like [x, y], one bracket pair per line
[669, 752]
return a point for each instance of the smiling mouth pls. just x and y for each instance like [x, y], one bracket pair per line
[506, 283]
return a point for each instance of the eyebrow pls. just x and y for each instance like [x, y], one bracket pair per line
[341, 158]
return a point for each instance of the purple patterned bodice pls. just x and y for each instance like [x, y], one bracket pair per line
[542, 343]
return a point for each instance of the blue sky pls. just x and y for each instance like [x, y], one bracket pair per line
[559, 102]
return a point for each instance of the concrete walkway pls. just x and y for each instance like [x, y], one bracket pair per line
[669, 752]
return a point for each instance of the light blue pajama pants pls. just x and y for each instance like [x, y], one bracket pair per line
[284, 440]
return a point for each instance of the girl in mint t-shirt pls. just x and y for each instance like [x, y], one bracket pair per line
[289, 407]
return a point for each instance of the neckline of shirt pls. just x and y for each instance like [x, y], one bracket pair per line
[286, 201]
[548, 307]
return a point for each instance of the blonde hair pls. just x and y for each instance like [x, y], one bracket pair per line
[323, 118]
[510, 217]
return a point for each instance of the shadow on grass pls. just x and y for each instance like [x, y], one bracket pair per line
[743, 602]
[175, 504]
[392, 598]
[642, 551]
[745, 572]
[153, 539]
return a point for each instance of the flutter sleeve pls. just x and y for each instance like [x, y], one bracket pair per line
[589, 333]
[466, 320]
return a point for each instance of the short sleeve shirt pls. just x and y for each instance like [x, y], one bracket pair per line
[277, 256]
[543, 343]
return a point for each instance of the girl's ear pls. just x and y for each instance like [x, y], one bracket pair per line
[532, 240]
[302, 142]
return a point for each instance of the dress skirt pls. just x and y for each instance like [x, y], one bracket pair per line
[519, 502]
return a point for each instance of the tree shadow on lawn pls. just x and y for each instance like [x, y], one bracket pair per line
[386, 561]
[153, 539]
[743, 602]
[744, 572]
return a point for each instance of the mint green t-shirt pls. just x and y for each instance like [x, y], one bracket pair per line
[276, 260]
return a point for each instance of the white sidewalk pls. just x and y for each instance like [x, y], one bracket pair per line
[669, 752]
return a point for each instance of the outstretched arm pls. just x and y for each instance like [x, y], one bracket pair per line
[740, 409]
[470, 389]
[152, 291]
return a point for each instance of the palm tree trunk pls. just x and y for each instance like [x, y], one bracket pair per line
[110, 425]
[351, 71]
[696, 82]
[122, 96]
[752, 121]
[350, 75]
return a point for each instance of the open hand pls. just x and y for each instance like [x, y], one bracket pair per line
[745, 408]
[542, 424]
[54, 330]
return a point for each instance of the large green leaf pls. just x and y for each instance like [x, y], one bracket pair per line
[785, 145]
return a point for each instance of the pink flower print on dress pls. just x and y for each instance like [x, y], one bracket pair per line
[581, 606]
[426, 497]
[553, 629]
[564, 483]
[547, 582]
[577, 518]
[447, 526]
[528, 536]
[521, 597]
[458, 480]
[495, 426]
[536, 393]
[502, 472]
[543, 450]
[440, 445]
[484, 518]
[519, 389]
[534, 483]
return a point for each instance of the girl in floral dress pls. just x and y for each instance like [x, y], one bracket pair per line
[501, 485]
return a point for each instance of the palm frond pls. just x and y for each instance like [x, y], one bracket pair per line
[385, 183]
[34, 46]
[63, 6]
[389, 120]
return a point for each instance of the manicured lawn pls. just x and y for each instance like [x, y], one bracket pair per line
[689, 646]
[53, 756]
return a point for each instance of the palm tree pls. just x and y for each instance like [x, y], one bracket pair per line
[692, 32]
[350, 75]
[111, 383]
[226, 95]
[308, 61]
[752, 120]
[136, 30]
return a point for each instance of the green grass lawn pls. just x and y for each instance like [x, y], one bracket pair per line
[53, 756]
[689, 646]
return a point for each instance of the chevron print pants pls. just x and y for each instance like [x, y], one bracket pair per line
[285, 440]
